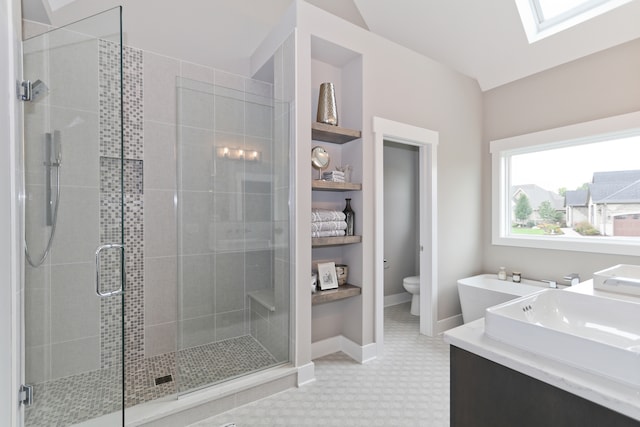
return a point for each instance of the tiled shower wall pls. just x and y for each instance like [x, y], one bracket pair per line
[225, 212]
[214, 280]
[221, 202]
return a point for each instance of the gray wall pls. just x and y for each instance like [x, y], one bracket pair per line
[598, 86]
[401, 213]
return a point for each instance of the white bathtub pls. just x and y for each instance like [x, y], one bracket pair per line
[480, 292]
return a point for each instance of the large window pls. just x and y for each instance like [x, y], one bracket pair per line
[573, 188]
[542, 18]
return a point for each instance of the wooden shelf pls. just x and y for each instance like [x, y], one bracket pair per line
[319, 185]
[335, 241]
[342, 292]
[334, 134]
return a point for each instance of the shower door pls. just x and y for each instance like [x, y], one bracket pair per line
[73, 220]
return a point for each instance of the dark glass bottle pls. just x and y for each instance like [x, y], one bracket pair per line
[350, 219]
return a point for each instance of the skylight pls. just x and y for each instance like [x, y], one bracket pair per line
[543, 18]
[551, 9]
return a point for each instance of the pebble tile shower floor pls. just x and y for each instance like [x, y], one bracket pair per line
[409, 386]
[78, 398]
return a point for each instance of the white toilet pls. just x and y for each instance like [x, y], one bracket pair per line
[412, 285]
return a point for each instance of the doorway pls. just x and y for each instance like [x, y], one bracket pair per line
[402, 225]
[425, 141]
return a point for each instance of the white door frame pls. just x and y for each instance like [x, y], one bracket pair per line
[427, 142]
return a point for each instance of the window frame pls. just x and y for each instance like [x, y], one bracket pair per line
[537, 28]
[567, 15]
[597, 130]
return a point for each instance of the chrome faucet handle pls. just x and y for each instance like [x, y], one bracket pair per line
[552, 283]
[573, 279]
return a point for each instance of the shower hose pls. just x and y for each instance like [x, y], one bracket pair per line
[54, 221]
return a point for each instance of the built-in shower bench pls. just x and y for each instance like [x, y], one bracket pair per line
[264, 297]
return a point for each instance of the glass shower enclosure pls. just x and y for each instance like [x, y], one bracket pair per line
[119, 311]
[74, 235]
[233, 231]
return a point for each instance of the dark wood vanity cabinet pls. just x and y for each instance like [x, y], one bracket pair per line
[487, 394]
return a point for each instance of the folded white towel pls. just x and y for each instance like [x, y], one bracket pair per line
[330, 233]
[318, 215]
[328, 225]
[333, 173]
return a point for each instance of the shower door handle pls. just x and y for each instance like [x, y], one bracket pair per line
[98, 271]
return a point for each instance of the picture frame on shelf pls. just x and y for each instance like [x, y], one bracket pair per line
[327, 277]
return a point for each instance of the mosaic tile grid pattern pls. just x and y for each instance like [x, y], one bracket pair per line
[111, 205]
[409, 386]
[133, 104]
[212, 363]
[110, 200]
[74, 399]
[85, 396]
[109, 95]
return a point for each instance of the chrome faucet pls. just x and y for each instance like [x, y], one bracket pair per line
[552, 283]
[573, 279]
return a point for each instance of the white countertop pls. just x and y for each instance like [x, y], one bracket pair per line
[611, 394]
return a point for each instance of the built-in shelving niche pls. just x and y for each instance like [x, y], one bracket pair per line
[339, 312]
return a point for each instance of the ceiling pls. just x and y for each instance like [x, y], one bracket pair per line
[482, 39]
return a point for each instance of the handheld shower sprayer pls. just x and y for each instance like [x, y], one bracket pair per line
[52, 160]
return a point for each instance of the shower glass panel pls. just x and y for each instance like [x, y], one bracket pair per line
[233, 232]
[73, 209]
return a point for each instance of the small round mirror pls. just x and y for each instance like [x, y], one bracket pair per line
[319, 159]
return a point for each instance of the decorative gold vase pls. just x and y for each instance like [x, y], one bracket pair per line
[327, 108]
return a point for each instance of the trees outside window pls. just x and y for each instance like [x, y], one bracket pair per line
[523, 208]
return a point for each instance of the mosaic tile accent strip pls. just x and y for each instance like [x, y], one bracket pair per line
[109, 61]
[110, 209]
[109, 96]
[110, 175]
[133, 104]
[78, 398]
[134, 291]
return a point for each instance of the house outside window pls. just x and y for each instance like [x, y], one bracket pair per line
[573, 188]
[614, 203]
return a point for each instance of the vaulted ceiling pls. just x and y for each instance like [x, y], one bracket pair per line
[483, 39]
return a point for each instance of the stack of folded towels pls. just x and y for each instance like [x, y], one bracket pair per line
[327, 223]
[333, 176]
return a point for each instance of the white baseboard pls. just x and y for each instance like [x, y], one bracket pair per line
[360, 354]
[369, 352]
[306, 374]
[325, 347]
[396, 299]
[449, 323]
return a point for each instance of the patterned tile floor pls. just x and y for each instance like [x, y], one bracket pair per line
[409, 386]
[70, 400]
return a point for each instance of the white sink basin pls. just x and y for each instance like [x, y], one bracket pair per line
[594, 333]
[622, 278]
